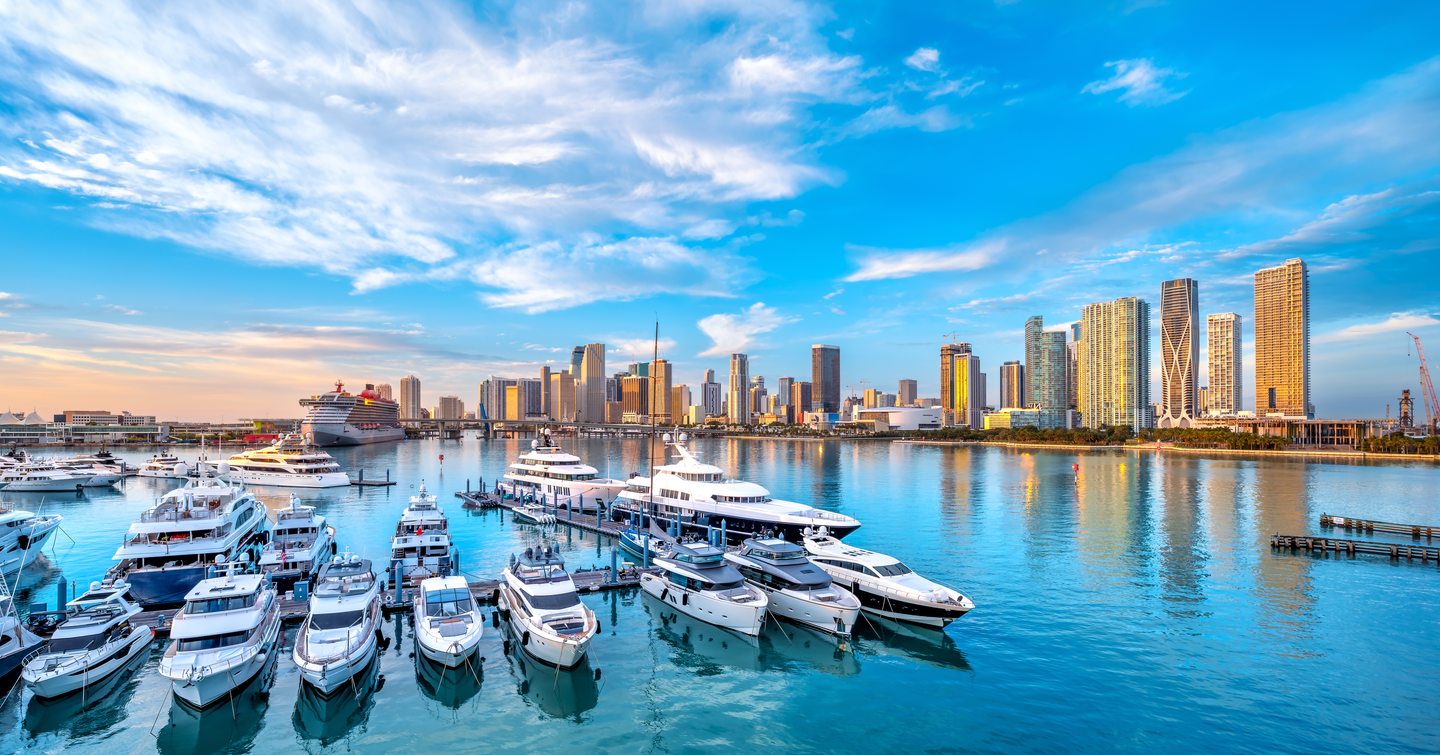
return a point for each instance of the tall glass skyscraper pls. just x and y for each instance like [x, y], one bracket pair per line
[1114, 382]
[1282, 341]
[825, 376]
[1179, 352]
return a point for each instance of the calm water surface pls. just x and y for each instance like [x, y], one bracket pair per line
[1132, 605]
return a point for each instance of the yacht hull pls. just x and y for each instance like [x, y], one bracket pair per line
[330, 676]
[213, 684]
[538, 644]
[60, 682]
[346, 434]
[449, 655]
[47, 486]
[745, 618]
[12, 561]
[282, 480]
[908, 611]
[10, 662]
[820, 615]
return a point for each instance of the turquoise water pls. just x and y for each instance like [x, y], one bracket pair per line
[1133, 605]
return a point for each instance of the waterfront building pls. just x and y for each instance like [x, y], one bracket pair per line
[758, 395]
[530, 394]
[901, 418]
[801, 400]
[1008, 417]
[782, 393]
[562, 396]
[1114, 364]
[1012, 384]
[1045, 379]
[1282, 341]
[635, 399]
[451, 407]
[679, 403]
[410, 397]
[825, 376]
[660, 374]
[1072, 368]
[1034, 326]
[712, 396]
[967, 388]
[907, 392]
[545, 392]
[590, 385]
[948, 352]
[737, 403]
[1179, 352]
[385, 391]
[871, 398]
[1225, 391]
[492, 398]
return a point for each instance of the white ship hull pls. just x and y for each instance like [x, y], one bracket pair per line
[73, 485]
[540, 644]
[290, 480]
[346, 434]
[826, 617]
[203, 686]
[452, 655]
[14, 558]
[75, 676]
[327, 677]
[745, 618]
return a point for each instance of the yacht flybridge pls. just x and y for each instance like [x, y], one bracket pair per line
[95, 640]
[885, 586]
[547, 473]
[289, 462]
[699, 495]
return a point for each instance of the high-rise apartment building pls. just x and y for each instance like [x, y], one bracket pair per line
[384, 390]
[908, 391]
[712, 396]
[529, 393]
[825, 376]
[782, 392]
[679, 403]
[870, 398]
[577, 360]
[545, 410]
[1034, 326]
[660, 374]
[1179, 352]
[801, 400]
[1114, 383]
[709, 376]
[1072, 368]
[492, 403]
[635, 399]
[737, 403]
[410, 397]
[451, 407]
[1012, 385]
[967, 389]
[1282, 341]
[1225, 389]
[562, 396]
[1046, 359]
[948, 352]
[590, 385]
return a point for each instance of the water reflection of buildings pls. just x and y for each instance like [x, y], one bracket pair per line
[1183, 548]
[1281, 502]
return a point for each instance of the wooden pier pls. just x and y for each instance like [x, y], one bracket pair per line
[1396, 551]
[360, 481]
[597, 524]
[484, 591]
[1415, 531]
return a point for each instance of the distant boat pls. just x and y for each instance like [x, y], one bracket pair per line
[559, 479]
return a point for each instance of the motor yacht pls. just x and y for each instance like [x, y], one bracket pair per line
[699, 496]
[547, 473]
[103, 461]
[98, 476]
[16, 641]
[884, 585]
[22, 538]
[170, 547]
[165, 466]
[43, 479]
[340, 637]
[539, 602]
[798, 589]
[94, 640]
[532, 513]
[696, 580]
[289, 462]
[421, 547]
[222, 638]
[300, 543]
[448, 625]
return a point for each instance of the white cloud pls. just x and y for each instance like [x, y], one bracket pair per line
[640, 349]
[1398, 322]
[1139, 81]
[883, 264]
[924, 59]
[734, 333]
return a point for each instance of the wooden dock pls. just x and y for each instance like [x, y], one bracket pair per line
[596, 524]
[1396, 551]
[1415, 531]
[484, 591]
[360, 481]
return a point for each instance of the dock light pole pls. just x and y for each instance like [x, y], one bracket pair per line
[614, 564]
[645, 550]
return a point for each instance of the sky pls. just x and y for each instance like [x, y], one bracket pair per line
[210, 210]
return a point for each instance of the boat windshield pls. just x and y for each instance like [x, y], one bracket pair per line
[74, 644]
[335, 620]
[445, 603]
[553, 602]
[212, 642]
[215, 605]
[779, 556]
[892, 570]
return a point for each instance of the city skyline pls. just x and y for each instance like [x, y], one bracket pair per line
[344, 226]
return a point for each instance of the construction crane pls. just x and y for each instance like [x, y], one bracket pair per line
[1427, 388]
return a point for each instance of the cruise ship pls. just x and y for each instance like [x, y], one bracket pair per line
[702, 499]
[340, 418]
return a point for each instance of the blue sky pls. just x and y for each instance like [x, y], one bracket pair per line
[210, 210]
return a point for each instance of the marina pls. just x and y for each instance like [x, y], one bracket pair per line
[1083, 582]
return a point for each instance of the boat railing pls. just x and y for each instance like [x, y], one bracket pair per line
[352, 632]
[173, 514]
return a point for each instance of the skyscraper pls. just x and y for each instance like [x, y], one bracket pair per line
[1046, 381]
[562, 396]
[410, 397]
[384, 390]
[451, 407]
[801, 400]
[782, 393]
[948, 351]
[709, 376]
[577, 358]
[1179, 352]
[1282, 340]
[1226, 374]
[1072, 368]
[660, 384]
[545, 409]
[590, 385]
[712, 396]
[679, 403]
[737, 403]
[967, 388]
[909, 390]
[1114, 382]
[1012, 385]
[635, 398]
[825, 376]
[1034, 326]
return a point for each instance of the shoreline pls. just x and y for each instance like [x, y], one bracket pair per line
[1151, 447]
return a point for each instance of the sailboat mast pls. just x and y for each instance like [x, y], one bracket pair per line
[654, 358]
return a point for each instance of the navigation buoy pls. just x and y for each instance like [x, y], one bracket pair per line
[442, 458]
[1075, 467]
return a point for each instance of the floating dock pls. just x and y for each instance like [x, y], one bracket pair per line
[595, 523]
[360, 481]
[1416, 531]
[1396, 551]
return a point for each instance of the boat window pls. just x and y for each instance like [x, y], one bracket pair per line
[453, 602]
[336, 620]
[893, 570]
[722, 586]
[74, 644]
[553, 602]
[679, 579]
[215, 605]
[212, 642]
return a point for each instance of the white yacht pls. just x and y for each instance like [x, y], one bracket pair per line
[222, 637]
[698, 495]
[560, 479]
[165, 466]
[170, 547]
[300, 542]
[340, 637]
[99, 477]
[448, 624]
[422, 539]
[22, 538]
[289, 462]
[532, 513]
[884, 585]
[42, 479]
[16, 641]
[799, 590]
[538, 600]
[94, 640]
[696, 580]
[101, 460]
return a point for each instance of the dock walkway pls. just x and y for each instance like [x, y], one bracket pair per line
[1396, 551]
[595, 523]
[1415, 531]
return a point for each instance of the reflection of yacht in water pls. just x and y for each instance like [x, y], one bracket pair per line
[220, 728]
[701, 646]
[104, 705]
[329, 719]
[800, 644]
[451, 687]
[877, 635]
[558, 693]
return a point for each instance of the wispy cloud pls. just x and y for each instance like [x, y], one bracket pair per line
[732, 333]
[1398, 322]
[1139, 82]
[924, 59]
[882, 264]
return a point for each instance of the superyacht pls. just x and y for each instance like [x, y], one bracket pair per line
[546, 473]
[222, 637]
[290, 462]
